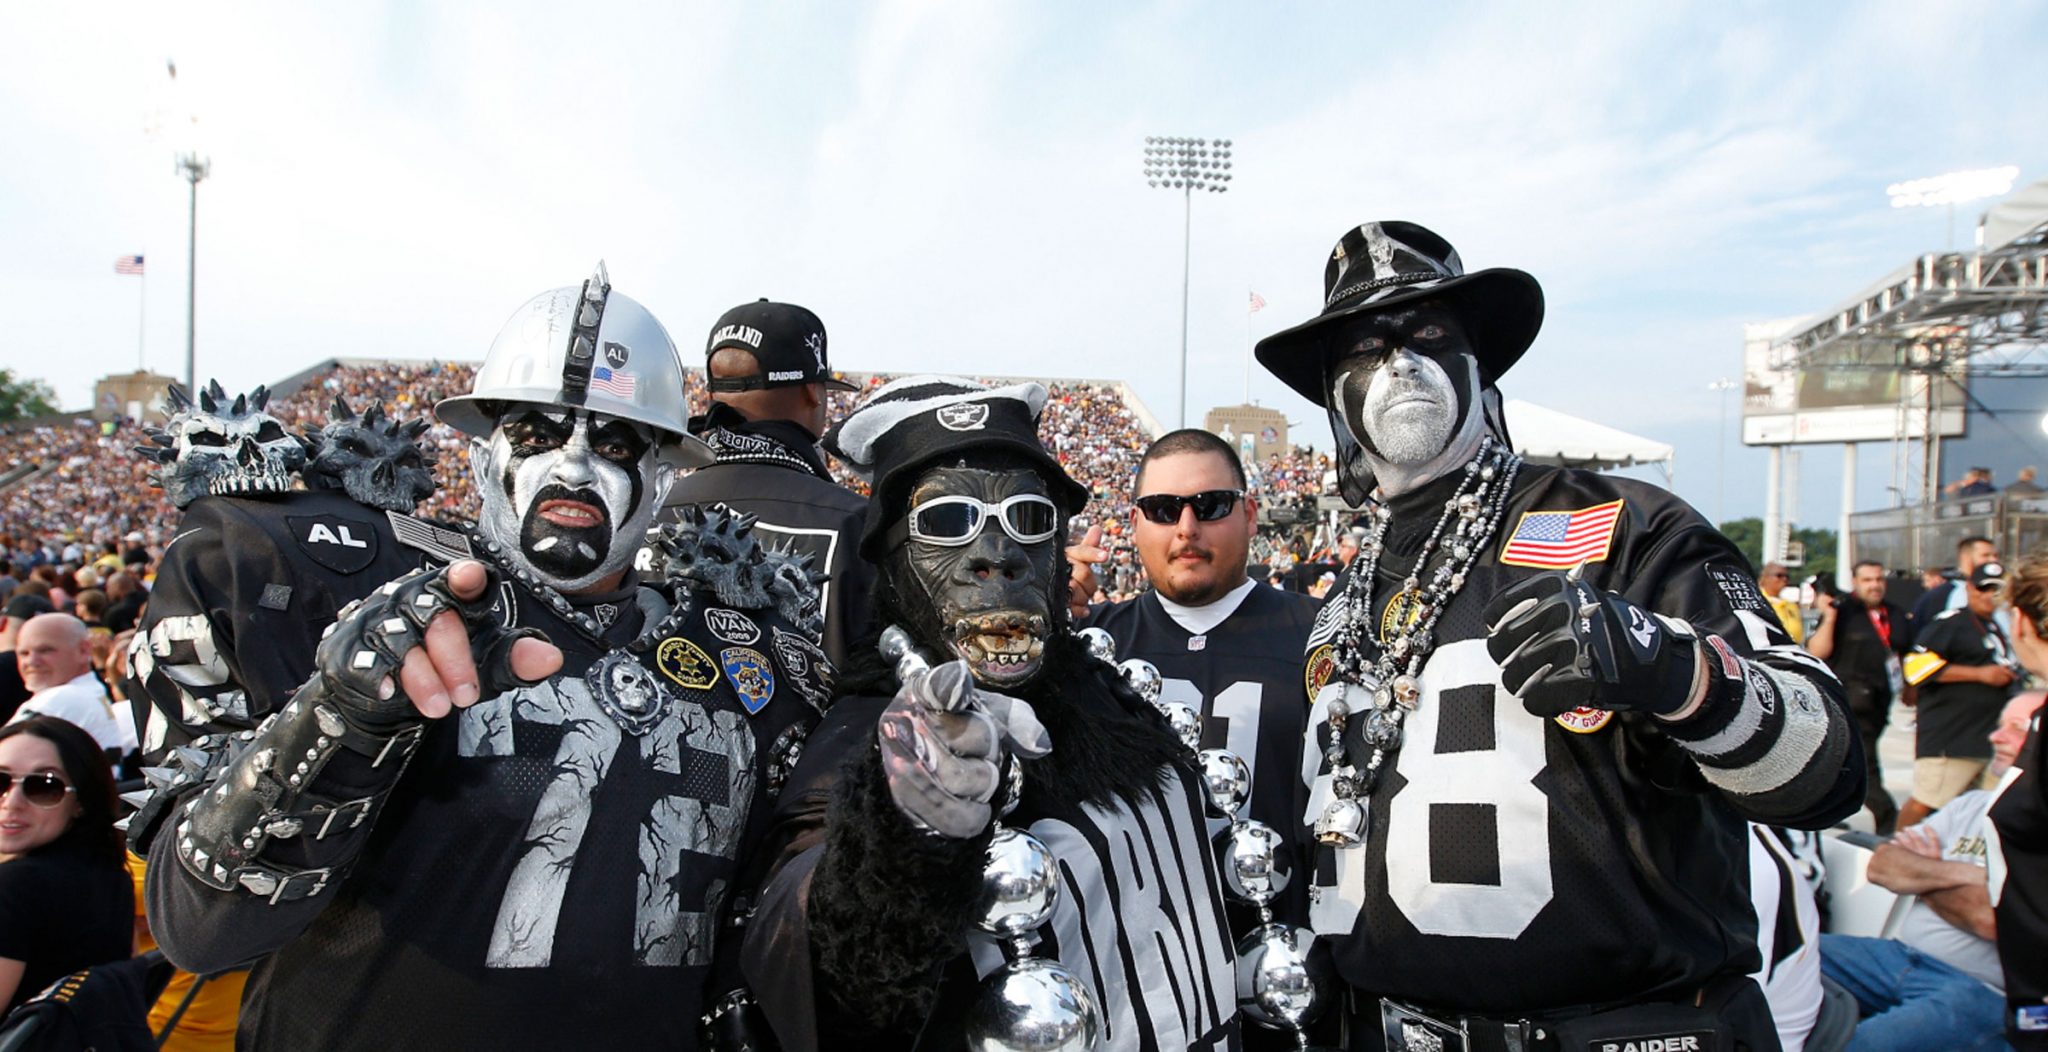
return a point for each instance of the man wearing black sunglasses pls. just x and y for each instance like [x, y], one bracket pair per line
[1226, 645]
[1545, 700]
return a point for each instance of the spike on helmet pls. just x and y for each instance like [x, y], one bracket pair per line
[589, 347]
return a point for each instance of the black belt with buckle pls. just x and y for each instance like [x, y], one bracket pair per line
[1405, 1027]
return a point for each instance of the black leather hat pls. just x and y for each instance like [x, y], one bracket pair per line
[1382, 265]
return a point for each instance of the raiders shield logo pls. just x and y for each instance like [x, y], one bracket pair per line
[615, 355]
[343, 545]
[964, 416]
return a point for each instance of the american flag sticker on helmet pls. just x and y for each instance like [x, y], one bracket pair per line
[1560, 540]
[612, 381]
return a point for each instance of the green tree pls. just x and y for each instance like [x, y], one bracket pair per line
[1748, 535]
[23, 397]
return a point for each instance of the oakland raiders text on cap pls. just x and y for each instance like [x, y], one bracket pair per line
[786, 340]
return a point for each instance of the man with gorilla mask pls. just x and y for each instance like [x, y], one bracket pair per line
[1544, 701]
[1008, 753]
[510, 804]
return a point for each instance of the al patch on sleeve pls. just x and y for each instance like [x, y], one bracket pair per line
[341, 544]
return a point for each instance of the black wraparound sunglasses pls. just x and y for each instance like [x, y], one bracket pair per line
[42, 790]
[1209, 505]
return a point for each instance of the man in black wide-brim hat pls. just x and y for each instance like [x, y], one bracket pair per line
[1544, 701]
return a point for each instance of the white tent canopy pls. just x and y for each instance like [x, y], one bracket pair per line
[1546, 436]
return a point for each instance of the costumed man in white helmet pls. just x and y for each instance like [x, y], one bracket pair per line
[511, 804]
[1545, 701]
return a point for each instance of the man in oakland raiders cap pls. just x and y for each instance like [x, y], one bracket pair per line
[765, 365]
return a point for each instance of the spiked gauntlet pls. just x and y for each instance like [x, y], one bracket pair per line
[274, 807]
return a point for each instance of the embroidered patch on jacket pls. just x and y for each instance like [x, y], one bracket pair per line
[751, 676]
[1560, 540]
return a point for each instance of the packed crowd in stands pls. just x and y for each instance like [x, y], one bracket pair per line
[89, 488]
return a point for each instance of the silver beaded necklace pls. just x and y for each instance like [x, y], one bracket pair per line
[1386, 687]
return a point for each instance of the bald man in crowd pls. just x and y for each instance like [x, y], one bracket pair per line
[55, 653]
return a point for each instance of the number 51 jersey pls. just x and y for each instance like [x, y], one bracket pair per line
[1514, 863]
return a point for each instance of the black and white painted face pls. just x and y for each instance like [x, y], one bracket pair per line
[1404, 382]
[569, 491]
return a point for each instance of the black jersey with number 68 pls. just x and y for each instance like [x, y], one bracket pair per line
[1514, 863]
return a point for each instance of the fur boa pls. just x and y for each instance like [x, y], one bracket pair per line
[890, 904]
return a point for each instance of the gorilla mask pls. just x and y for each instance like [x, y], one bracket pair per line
[567, 492]
[977, 567]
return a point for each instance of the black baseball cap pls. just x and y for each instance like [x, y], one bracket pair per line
[786, 339]
[1988, 577]
[23, 607]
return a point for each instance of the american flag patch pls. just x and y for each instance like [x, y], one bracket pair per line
[612, 381]
[1560, 540]
[128, 265]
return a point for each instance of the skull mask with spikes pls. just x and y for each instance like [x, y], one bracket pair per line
[375, 459]
[220, 448]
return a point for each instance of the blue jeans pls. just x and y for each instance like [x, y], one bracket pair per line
[1911, 1001]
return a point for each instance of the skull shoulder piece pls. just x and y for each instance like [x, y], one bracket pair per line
[714, 550]
[220, 448]
[376, 460]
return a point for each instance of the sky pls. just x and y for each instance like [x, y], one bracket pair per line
[958, 186]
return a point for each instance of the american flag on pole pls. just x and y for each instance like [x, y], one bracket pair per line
[1258, 303]
[1560, 540]
[128, 265]
[612, 381]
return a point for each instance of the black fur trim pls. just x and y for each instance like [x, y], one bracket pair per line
[889, 903]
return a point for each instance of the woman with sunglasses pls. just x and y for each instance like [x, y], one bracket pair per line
[66, 901]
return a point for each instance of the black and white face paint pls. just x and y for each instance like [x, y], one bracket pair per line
[1405, 386]
[568, 493]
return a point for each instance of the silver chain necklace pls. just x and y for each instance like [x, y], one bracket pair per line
[1387, 687]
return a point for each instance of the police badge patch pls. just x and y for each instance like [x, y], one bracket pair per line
[751, 676]
[686, 663]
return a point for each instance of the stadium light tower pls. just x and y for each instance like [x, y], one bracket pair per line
[1187, 165]
[1721, 387]
[194, 168]
[1952, 189]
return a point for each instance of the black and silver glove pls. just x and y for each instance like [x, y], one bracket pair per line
[1563, 644]
[942, 746]
[361, 653]
[352, 718]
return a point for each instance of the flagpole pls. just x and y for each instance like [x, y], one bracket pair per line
[141, 310]
[1249, 293]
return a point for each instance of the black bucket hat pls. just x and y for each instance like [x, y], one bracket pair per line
[1382, 265]
[912, 423]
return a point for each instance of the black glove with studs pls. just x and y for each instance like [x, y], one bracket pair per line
[1563, 644]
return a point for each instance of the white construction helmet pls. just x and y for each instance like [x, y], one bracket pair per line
[588, 347]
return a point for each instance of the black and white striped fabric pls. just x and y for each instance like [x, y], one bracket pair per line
[1140, 921]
